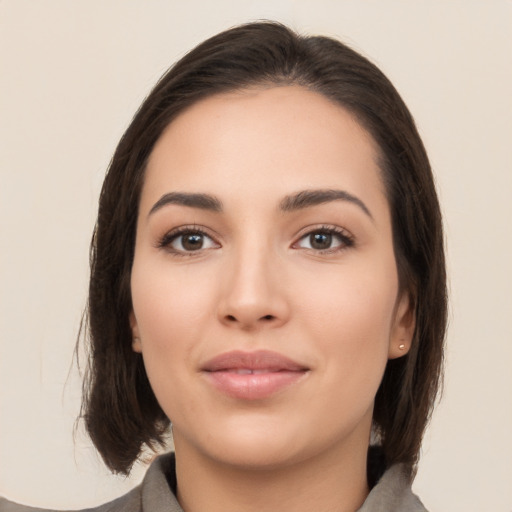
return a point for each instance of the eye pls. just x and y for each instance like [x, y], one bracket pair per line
[187, 240]
[325, 240]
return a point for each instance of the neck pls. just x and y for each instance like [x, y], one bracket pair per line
[325, 483]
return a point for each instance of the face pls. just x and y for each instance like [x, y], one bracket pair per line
[264, 283]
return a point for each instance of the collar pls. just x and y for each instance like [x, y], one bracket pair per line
[392, 493]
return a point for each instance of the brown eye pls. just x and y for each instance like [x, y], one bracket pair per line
[325, 240]
[192, 242]
[187, 241]
[320, 240]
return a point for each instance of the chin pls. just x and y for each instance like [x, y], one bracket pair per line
[258, 442]
[246, 442]
[261, 454]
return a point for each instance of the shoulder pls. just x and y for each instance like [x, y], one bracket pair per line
[130, 502]
[154, 494]
[393, 493]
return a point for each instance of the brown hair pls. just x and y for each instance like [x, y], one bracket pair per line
[120, 410]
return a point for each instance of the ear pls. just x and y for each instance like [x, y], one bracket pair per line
[402, 331]
[136, 344]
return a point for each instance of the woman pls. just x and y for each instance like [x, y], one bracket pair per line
[267, 273]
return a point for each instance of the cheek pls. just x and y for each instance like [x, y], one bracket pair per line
[170, 311]
[349, 315]
[351, 329]
[166, 302]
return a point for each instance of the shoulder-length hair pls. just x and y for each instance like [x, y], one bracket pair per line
[120, 410]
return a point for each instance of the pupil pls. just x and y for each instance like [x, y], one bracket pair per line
[321, 240]
[192, 242]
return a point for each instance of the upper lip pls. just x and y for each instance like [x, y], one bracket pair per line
[258, 360]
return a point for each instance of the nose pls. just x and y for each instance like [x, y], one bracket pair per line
[253, 295]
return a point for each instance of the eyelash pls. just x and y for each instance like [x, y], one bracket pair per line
[346, 240]
[166, 241]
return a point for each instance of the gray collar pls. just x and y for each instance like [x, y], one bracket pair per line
[391, 494]
[156, 493]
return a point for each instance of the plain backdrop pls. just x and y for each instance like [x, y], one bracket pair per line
[72, 73]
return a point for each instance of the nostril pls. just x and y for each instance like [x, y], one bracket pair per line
[232, 319]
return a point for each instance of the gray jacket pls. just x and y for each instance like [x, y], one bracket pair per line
[391, 494]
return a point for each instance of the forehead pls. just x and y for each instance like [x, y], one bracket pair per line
[264, 140]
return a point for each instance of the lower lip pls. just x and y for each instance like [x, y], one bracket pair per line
[255, 386]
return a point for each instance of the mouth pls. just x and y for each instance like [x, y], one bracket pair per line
[252, 375]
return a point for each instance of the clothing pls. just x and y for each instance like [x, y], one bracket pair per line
[392, 493]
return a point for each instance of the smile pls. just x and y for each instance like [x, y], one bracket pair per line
[252, 375]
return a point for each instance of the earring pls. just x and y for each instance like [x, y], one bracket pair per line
[401, 346]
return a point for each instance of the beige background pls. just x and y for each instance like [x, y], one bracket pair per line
[71, 75]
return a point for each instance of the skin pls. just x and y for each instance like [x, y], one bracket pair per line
[258, 283]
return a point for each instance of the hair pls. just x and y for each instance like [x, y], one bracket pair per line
[121, 413]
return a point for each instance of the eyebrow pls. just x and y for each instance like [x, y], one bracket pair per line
[298, 201]
[308, 198]
[201, 201]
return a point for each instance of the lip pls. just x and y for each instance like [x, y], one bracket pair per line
[252, 375]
